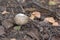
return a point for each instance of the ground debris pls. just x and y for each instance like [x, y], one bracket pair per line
[43, 24]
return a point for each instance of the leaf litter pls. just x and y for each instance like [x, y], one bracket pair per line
[43, 24]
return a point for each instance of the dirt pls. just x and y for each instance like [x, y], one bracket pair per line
[33, 30]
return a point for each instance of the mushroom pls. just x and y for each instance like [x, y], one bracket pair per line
[35, 14]
[55, 24]
[51, 20]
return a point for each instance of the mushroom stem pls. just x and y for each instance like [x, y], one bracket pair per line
[32, 17]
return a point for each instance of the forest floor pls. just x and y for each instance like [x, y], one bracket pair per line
[37, 28]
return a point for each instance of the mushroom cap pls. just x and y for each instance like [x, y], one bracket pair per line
[21, 19]
[49, 19]
[36, 14]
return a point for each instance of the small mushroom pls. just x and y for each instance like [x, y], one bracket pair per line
[13, 39]
[55, 24]
[21, 19]
[35, 14]
[49, 19]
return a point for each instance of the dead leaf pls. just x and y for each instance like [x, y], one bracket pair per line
[5, 12]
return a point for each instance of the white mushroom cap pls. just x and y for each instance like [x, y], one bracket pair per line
[21, 19]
